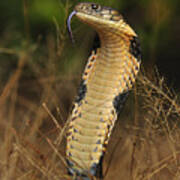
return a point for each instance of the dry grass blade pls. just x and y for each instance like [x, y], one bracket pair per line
[13, 80]
[52, 117]
[36, 163]
[56, 151]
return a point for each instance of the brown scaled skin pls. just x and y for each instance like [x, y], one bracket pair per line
[108, 76]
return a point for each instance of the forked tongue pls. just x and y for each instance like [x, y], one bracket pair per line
[69, 25]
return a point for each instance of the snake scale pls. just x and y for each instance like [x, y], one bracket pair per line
[109, 75]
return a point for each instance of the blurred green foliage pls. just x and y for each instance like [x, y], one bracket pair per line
[29, 23]
[44, 10]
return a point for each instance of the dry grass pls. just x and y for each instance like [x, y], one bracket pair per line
[144, 144]
[148, 148]
[31, 146]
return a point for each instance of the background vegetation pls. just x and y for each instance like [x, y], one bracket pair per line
[40, 70]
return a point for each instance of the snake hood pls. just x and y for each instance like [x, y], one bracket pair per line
[101, 18]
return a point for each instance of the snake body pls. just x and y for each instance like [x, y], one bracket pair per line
[106, 81]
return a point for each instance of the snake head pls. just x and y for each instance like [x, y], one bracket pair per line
[103, 18]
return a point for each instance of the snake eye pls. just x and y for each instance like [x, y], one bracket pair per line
[95, 6]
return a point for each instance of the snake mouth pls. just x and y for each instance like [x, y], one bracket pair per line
[69, 25]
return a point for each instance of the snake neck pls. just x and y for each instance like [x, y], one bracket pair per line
[113, 47]
[108, 76]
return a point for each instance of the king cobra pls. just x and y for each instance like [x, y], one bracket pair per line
[109, 75]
